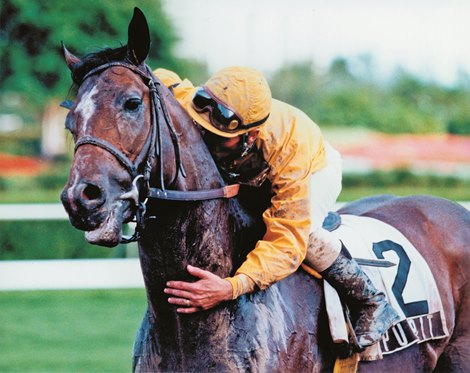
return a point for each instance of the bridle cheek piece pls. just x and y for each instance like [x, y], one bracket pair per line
[140, 170]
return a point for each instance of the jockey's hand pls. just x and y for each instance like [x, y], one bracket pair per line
[205, 293]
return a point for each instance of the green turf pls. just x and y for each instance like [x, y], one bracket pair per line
[461, 193]
[69, 331]
[456, 193]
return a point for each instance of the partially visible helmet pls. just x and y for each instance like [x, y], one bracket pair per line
[168, 78]
[236, 99]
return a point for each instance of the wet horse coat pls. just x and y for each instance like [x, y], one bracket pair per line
[283, 328]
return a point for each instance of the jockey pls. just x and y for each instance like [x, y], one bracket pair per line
[253, 137]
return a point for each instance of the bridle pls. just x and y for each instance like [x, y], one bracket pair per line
[141, 190]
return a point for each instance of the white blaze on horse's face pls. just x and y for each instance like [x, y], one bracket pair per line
[86, 107]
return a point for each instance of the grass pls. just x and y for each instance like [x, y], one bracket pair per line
[31, 196]
[349, 193]
[69, 331]
[461, 193]
[403, 182]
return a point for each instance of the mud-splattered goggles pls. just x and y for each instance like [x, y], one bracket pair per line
[221, 117]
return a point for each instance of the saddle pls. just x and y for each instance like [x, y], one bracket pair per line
[396, 267]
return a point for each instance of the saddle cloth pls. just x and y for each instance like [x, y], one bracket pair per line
[409, 285]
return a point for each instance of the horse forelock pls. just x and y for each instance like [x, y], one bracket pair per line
[95, 59]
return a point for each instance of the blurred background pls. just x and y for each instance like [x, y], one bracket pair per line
[388, 82]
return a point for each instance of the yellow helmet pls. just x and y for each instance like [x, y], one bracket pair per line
[236, 99]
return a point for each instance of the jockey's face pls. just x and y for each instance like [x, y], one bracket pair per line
[222, 148]
[226, 149]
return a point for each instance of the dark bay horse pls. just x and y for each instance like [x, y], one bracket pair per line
[125, 123]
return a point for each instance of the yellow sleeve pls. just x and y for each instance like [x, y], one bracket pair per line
[284, 245]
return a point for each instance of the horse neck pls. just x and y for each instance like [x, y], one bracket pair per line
[183, 233]
[200, 169]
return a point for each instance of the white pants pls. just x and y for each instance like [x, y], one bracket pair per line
[325, 187]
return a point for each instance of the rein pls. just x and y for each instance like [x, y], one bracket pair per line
[151, 152]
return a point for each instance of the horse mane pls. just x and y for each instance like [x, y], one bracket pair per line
[95, 59]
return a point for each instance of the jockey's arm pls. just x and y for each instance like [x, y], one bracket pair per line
[287, 220]
[276, 256]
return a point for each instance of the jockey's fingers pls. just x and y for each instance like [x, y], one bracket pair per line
[179, 293]
[188, 310]
[181, 302]
[197, 289]
[182, 285]
[198, 272]
[188, 302]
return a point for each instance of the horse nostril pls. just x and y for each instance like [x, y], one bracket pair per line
[91, 192]
[90, 195]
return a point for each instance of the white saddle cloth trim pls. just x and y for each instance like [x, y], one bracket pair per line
[336, 320]
[359, 235]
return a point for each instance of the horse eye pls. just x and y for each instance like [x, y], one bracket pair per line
[132, 104]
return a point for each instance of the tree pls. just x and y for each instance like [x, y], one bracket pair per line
[340, 96]
[298, 85]
[31, 62]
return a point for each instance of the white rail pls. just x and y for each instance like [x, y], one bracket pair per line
[70, 274]
[55, 211]
[67, 274]
[32, 211]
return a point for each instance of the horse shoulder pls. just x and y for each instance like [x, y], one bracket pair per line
[282, 328]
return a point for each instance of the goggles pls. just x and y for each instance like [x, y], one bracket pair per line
[221, 117]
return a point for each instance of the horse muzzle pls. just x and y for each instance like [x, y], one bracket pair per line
[92, 210]
[82, 202]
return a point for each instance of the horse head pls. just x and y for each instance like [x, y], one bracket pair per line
[111, 123]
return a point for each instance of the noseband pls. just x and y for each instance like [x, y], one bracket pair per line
[151, 152]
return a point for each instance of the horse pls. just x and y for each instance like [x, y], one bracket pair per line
[138, 154]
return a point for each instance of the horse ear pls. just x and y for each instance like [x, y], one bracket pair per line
[138, 41]
[70, 59]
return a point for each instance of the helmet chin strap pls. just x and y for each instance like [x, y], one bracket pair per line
[245, 146]
[241, 150]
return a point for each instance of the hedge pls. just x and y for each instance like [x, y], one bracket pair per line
[49, 240]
